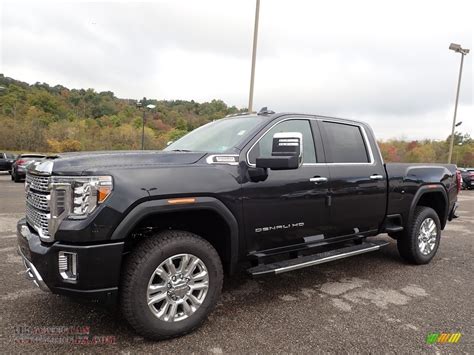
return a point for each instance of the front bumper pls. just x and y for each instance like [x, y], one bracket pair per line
[98, 265]
[32, 273]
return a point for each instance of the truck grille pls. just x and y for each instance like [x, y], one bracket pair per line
[38, 183]
[38, 220]
[40, 202]
[37, 203]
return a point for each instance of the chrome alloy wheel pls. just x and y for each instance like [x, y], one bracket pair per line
[427, 236]
[177, 287]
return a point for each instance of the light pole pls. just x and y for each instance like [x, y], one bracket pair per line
[150, 107]
[254, 55]
[139, 105]
[458, 49]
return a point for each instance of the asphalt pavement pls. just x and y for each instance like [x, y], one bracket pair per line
[368, 303]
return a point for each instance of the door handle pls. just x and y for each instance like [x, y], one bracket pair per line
[376, 177]
[318, 179]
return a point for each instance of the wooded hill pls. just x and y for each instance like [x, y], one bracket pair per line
[43, 118]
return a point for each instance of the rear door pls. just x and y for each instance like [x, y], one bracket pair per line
[358, 179]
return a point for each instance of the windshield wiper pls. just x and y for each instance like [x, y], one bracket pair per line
[181, 150]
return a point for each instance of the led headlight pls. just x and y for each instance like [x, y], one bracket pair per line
[80, 195]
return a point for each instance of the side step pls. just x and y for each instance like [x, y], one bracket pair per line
[315, 259]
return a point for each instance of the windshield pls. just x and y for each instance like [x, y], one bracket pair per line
[218, 136]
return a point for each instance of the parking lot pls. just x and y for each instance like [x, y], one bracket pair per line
[372, 302]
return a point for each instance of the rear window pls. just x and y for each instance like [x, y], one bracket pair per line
[344, 143]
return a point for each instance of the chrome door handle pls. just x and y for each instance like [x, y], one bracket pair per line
[376, 177]
[318, 179]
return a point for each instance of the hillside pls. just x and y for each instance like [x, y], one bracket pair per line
[40, 117]
[47, 118]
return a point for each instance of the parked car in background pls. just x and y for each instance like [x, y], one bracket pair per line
[18, 171]
[470, 175]
[6, 161]
[467, 177]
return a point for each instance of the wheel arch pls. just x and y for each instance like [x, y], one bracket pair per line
[433, 196]
[206, 207]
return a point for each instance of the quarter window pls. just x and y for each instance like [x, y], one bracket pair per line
[344, 143]
[263, 149]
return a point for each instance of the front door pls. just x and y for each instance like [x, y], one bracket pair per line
[290, 206]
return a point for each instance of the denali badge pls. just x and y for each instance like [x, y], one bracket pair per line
[280, 226]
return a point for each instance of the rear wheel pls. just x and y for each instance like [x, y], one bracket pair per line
[171, 283]
[420, 242]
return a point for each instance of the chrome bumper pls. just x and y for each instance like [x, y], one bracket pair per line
[32, 273]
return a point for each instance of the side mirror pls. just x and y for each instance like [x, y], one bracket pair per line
[287, 152]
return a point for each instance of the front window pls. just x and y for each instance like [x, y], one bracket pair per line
[219, 136]
[263, 148]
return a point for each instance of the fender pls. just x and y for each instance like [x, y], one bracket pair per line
[147, 208]
[427, 189]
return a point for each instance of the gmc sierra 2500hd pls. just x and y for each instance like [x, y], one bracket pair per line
[268, 192]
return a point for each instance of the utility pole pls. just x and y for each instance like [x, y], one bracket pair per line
[141, 105]
[254, 55]
[457, 48]
[143, 130]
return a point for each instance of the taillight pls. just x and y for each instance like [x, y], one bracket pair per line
[20, 162]
[458, 180]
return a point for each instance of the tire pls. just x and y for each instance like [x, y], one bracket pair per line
[147, 258]
[411, 247]
[16, 178]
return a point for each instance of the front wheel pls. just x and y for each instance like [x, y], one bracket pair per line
[171, 283]
[420, 242]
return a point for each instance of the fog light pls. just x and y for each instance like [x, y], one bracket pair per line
[67, 265]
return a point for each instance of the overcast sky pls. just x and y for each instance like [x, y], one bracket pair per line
[383, 62]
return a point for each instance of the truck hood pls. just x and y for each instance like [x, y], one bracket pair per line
[77, 163]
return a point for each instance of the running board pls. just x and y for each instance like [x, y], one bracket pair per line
[315, 259]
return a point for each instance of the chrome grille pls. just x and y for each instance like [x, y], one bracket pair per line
[38, 220]
[37, 183]
[38, 201]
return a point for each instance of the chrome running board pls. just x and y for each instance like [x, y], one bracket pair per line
[316, 259]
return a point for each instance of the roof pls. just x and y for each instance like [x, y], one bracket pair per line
[274, 115]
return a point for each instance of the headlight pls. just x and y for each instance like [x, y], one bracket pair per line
[85, 194]
[76, 197]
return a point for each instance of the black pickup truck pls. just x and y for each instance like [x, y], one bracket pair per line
[266, 193]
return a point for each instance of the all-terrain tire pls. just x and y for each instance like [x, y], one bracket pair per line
[141, 265]
[408, 242]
